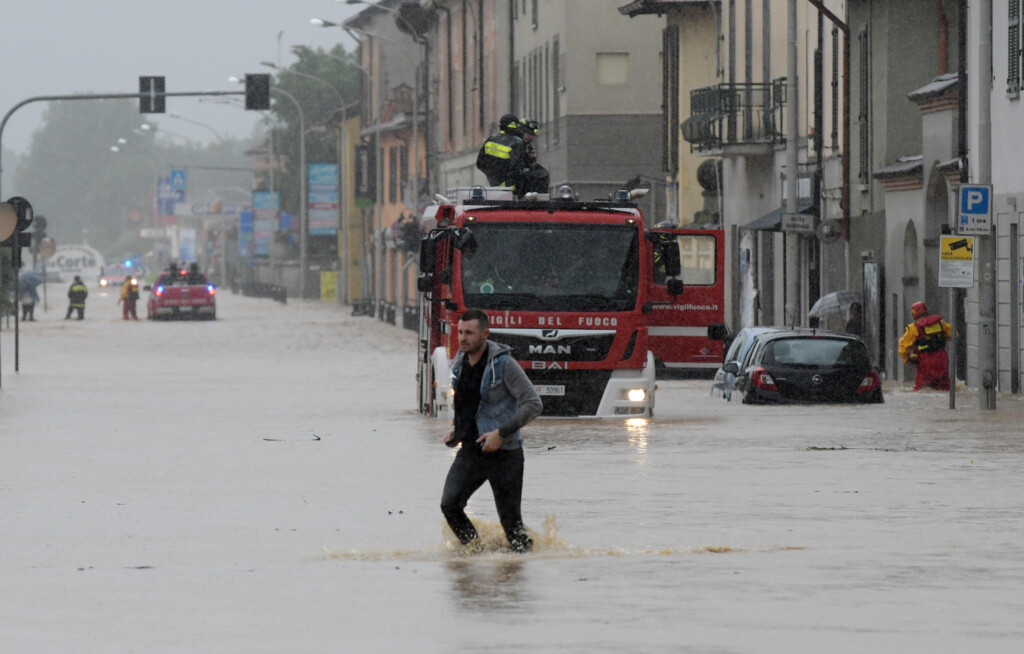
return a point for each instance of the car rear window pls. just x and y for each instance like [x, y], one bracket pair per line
[816, 351]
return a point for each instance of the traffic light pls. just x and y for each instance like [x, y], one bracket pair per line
[151, 95]
[15, 217]
[257, 91]
[40, 233]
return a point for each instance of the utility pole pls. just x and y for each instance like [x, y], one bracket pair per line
[987, 365]
[792, 153]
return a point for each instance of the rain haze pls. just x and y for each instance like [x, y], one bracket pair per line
[60, 47]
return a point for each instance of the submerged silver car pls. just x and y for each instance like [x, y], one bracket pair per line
[736, 351]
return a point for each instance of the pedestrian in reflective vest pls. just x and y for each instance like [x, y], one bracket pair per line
[502, 157]
[924, 345]
[129, 296]
[76, 298]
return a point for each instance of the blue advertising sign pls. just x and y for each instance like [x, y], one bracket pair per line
[322, 202]
[245, 227]
[265, 208]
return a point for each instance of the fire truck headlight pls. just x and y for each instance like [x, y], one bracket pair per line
[636, 395]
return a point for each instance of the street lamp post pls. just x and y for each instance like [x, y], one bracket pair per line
[302, 183]
[414, 186]
[196, 122]
[342, 170]
[303, 219]
[342, 154]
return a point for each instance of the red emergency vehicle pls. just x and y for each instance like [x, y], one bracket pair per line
[567, 284]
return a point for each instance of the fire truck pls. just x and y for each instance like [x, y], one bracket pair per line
[567, 284]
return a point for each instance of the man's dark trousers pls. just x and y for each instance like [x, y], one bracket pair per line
[471, 468]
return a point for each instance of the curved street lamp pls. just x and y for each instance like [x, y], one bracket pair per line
[302, 183]
[414, 187]
[342, 147]
[195, 122]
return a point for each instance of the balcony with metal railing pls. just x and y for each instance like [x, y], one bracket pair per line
[746, 118]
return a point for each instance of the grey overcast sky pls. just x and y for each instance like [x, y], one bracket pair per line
[62, 47]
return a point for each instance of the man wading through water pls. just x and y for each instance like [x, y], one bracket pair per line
[493, 400]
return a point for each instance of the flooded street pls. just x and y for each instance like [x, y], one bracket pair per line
[263, 483]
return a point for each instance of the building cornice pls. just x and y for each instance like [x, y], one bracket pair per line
[906, 174]
[941, 94]
[659, 7]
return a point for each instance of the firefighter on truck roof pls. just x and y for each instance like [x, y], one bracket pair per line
[502, 157]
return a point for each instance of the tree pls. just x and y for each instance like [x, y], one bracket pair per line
[319, 103]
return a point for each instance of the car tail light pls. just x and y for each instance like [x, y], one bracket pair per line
[869, 383]
[763, 380]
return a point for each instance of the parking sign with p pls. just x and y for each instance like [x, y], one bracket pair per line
[975, 214]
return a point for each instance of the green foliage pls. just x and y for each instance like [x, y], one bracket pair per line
[319, 101]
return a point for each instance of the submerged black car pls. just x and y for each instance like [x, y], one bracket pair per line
[807, 366]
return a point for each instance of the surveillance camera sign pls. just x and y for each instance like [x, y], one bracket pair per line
[956, 262]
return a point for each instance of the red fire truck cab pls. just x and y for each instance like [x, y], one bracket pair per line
[565, 283]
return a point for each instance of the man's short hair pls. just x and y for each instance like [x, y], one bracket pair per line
[478, 315]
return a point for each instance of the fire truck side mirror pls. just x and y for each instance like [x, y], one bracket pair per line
[670, 255]
[425, 283]
[428, 252]
[674, 286]
[464, 240]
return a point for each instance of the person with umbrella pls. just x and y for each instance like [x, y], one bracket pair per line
[27, 294]
[832, 308]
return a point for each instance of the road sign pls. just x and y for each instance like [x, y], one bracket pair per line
[178, 179]
[956, 262]
[797, 222]
[47, 247]
[975, 214]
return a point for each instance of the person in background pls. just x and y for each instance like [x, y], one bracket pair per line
[28, 298]
[924, 345]
[76, 298]
[129, 297]
[855, 325]
[194, 277]
[536, 178]
[494, 399]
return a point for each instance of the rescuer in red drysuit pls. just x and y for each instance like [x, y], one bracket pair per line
[924, 345]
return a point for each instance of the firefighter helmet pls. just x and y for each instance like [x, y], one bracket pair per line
[918, 309]
[509, 124]
[531, 125]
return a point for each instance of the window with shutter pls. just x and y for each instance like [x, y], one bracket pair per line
[1013, 50]
[670, 98]
[862, 116]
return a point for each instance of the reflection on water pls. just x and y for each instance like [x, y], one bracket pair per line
[487, 584]
[638, 436]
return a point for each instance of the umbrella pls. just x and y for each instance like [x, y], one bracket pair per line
[29, 280]
[833, 303]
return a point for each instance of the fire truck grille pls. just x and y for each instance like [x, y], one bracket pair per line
[578, 348]
[582, 390]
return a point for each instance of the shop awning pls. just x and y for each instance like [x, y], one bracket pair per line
[773, 219]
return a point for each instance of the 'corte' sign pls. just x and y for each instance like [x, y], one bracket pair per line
[73, 260]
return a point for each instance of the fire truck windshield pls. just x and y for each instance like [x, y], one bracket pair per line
[546, 267]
